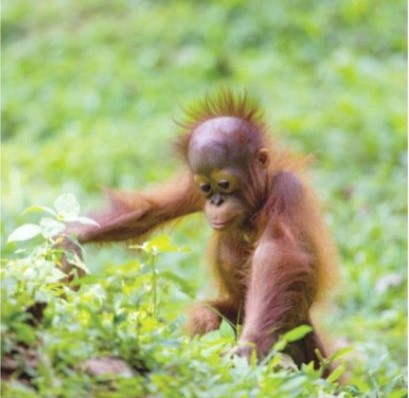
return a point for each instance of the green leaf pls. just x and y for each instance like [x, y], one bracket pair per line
[67, 207]
[159, 244]
[51, 227]
[297, 334]
[280, 345]
[25, 333]
[336, 373]
[162, 243]
[214, 335]
[308, 369]
[340, 353]
[54, 275]
[25, 232]
[226, 330]
[33, 209]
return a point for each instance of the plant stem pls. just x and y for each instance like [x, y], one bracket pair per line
[154, 281]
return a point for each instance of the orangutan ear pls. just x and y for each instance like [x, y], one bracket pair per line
[263, 158]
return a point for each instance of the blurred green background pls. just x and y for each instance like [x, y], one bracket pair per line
[91, 88]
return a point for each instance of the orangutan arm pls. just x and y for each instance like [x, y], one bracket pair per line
[132, 215]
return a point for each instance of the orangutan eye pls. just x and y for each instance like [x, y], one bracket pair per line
[205, 188]
[224, 185]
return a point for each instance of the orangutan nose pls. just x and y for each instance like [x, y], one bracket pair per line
[217, 199]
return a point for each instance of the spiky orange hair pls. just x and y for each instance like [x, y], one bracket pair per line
[224, 102]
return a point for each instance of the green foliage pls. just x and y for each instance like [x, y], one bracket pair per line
[49, 330]
[117, 314]
[89, 91]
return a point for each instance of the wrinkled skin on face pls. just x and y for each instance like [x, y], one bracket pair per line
[224, 208]
[219, 159]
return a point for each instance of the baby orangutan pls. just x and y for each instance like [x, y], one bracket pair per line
[270, 251]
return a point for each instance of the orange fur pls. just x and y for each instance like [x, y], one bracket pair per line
[271, 269]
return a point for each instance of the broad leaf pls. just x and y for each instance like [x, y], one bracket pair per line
[341, 353]
[67, 207]
[226, 330]
[297, 334]
[25, 232]
[336, 374]
[51, 227]
[161, 243]
[33, 209]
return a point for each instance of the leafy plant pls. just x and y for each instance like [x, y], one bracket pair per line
[89, 89]
[49, 329]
